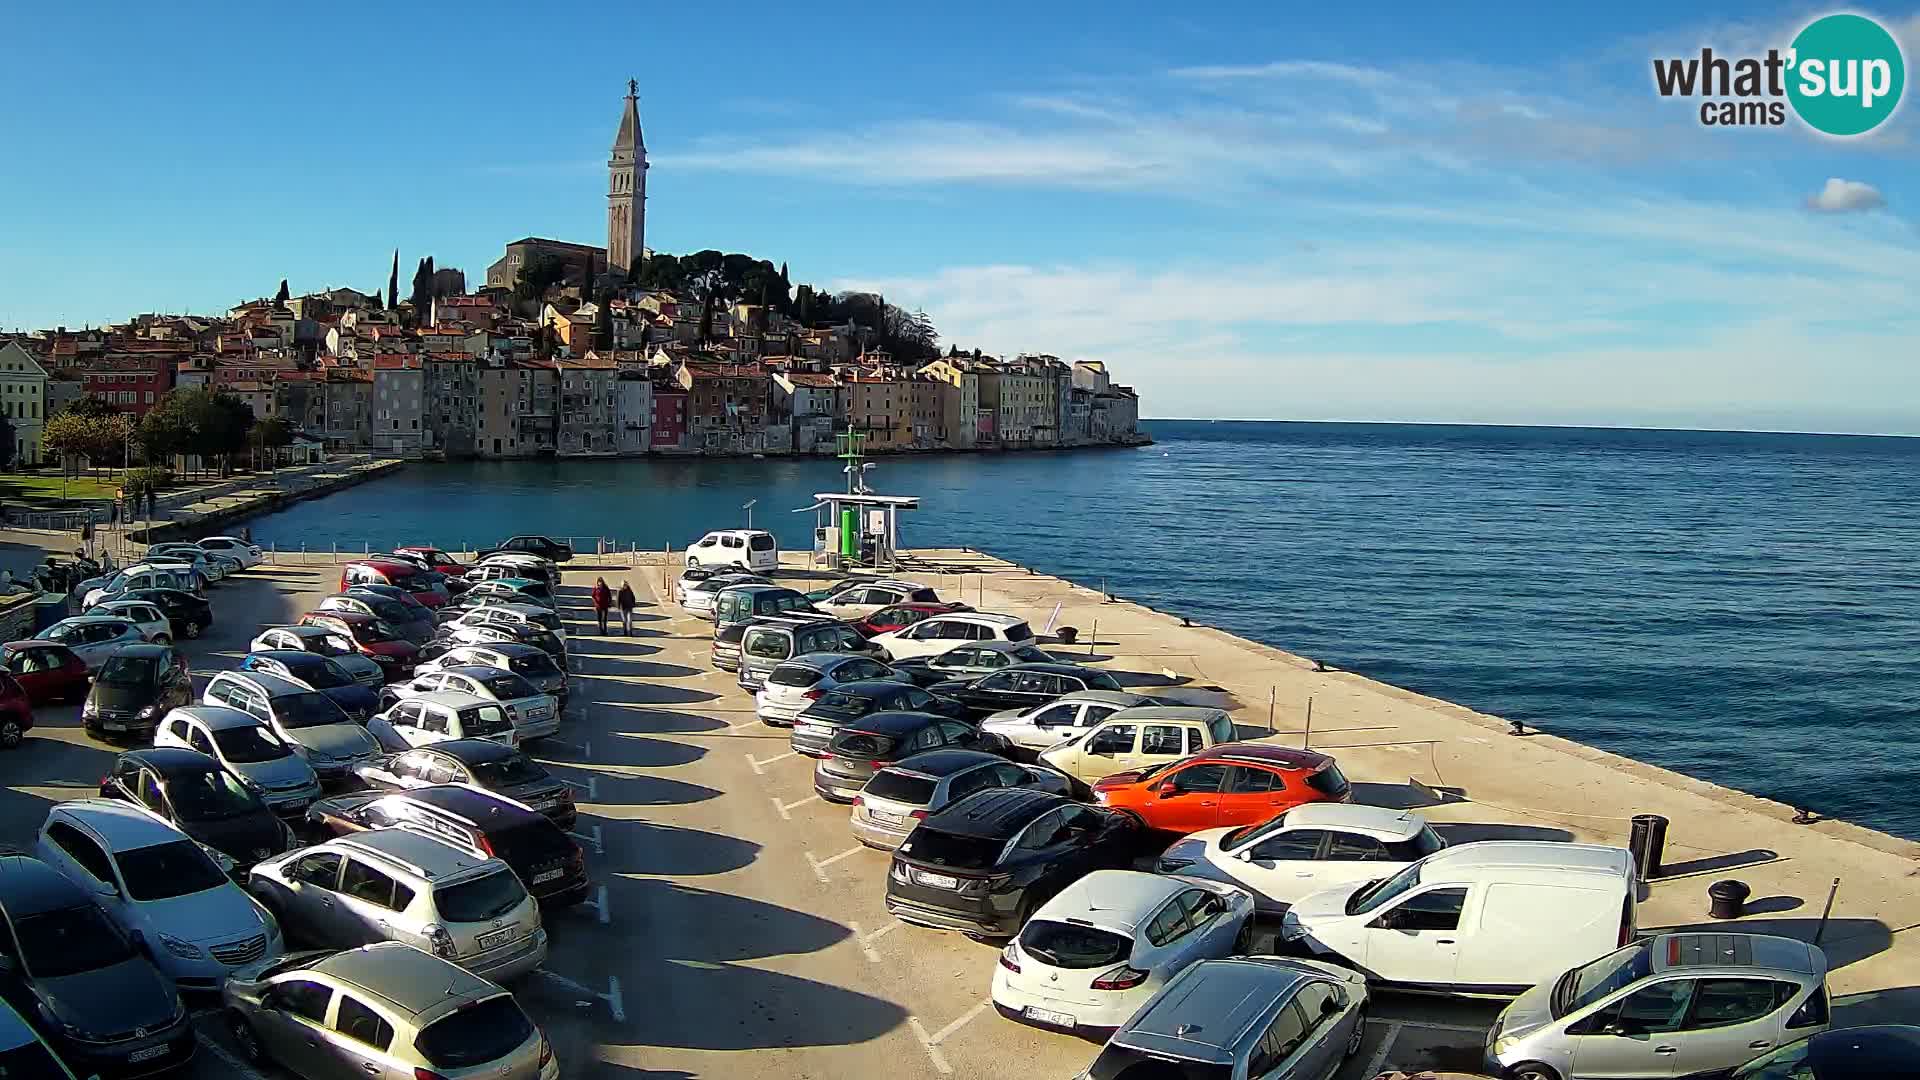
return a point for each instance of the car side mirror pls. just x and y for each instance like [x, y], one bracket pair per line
[1168, 791]
[1389, 920]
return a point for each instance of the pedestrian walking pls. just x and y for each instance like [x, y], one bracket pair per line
[626, 602]
[602, 600]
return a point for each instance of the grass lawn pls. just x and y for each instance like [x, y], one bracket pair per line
[44, 489]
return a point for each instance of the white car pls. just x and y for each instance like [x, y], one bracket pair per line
[748, 549]
[189, 554]
[522, 565]
[933, 636]
[858, 597]
[492, 614]
[322, 641]
[797, 683]
[149, 619]
[1042, 726]
[1306, 849]
[527, 591]
[161, 887]
[240, 551]
[534, 714]
[249, 748]
[700, 596]
[1092, 955]
[442, 716]
[93, 638]
[143, 576]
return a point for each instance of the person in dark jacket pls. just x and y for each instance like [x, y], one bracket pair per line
[626, 602]
[602, 600]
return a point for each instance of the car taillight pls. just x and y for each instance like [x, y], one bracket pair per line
[1009, 959]
[1120, 978]
[546, 1050]
[426, 1074]
[858, 800]
[578, 860]
[879, 764]
[898, 871]
[917, 815]
[813, 695]
[486, 845]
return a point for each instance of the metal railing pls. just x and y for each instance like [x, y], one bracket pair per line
[585, 548]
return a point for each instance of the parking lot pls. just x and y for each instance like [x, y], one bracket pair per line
[733, 911]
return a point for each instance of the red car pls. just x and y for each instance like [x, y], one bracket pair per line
[1231, 784]
[48, 672]
[372, 637]
[901, 616]
[441, 561]
[420, 584]
[16, 713]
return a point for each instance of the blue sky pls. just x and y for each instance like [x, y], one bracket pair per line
[1374, 213]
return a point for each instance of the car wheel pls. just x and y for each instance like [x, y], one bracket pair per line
[11, 733]
[1243, 942]
[246, 1040]
[1532, 1070]
[693, 563]
[193, 629]
[1359, 1036]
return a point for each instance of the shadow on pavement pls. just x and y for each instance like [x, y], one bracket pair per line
[633, 748]
[659, 721]
[1751, 857]
[612, 692]
[610, 790]
[1894, 1005]
[654, 849]
[1468, 832]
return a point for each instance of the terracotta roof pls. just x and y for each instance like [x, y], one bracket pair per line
[815, 379]
[396, 362]
[248, 387]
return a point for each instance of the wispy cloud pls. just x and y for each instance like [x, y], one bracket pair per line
[1843, 196]
[1315, 70]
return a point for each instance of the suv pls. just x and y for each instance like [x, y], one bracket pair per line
[748, 549]
[321, 641]
[530, 662]
[859, 597]
[813, 728]
[188, 615]
[401, 885]
[331, 1015]
[775, 638]
[933, 636]
[317, 672]
[332, 743]
[742, 603]
[1140, 739]
[481, 822]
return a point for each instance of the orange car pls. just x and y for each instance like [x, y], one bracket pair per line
[1232, 784]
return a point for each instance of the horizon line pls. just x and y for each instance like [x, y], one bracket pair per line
[1550, 426]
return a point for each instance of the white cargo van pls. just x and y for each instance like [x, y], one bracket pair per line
[1497, 916]
[752, 550]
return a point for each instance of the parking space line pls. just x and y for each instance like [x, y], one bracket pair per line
[785, 809]
[760, 766]
[1429, 1025]
[599, 905]
[933, 1052]
[820, 865]
[932, 1042]
[584, 747]
[1379, 1063]
[612, 999]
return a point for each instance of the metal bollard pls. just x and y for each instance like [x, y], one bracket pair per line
[1648, 842]
[1729, 899]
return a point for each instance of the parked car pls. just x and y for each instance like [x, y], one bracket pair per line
[322, 641]
[47, 671]
[984, 864]
[133, 689]
[510, 616]
[1140, 738]
[197, 795]
[308, 719]
[517, 590]
[771, 640]
[248, 555]
[104, 1005]
[160, 887]
[725, 653]
[188, 615]
[933, 636]
[247, 747]
[483, 822]
[527, 661]
[900, 616]
[405, 886]
[316, 672]
[498, 633]
[901, 795]
[411, 622]
[1882, 1050]
[689, 577]
[193, 555]
[1671, 1005]
[794, 684]
[1091, 956]
[440, 716]
[1259, 1017]
[535, 714]
[969, 660]
[440, 562]
[1023, 687]
[545, 547]
[151, 621]
[748, 549]
[1231, 784]
[856, 598]
[813, 728]
[422, 605]
[329, 1015]
[513, 564]
[1496, 916]
[480, 763]
[375, 640]
[1304, 850]
[1034, 729]
[698, 596]
[397, 577]
[16, 713]
[93, 637]
[744, 603]
[879, 739]
[141, 576]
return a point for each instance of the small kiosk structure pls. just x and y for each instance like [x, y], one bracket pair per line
[857, 528]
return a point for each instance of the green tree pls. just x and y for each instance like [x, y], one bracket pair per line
[66, 434]
[91, 406]
[537, 275]
[280, 298]
[393, 282]
[6, 442]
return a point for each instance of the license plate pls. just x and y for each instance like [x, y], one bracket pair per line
[1045, 1017]
[938, 881]
[148, 1054]
[885, 818]
[547, 875]
[294, 807]
[497, 938]
[114, 725]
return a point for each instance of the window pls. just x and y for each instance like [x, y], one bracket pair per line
[1161, 739]
[1202, 907]
[1812, 1012]
[1170, 924]
[1247, 780]
[1117, 739]
[1042, 833]
[1196, 779]
[1314, 999]
[1649, 1010]
[302, 998]
[363, 882]
[1436, 910]
[1293, 845]
[81, 849]
[1723, 1002]
[1351, 847]
[1281, 1039]
[361, 1024]
[321, 869]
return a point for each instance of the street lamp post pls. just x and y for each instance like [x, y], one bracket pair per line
[748, 507]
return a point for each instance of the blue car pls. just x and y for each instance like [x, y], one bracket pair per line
[319, 673]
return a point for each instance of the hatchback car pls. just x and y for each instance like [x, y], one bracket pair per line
[436, 559]
[901, 795]
[197, 795]
[321, 641]
[1091, 956]
[877, 740]
[1233, 784]
[1140, 739]
[984, 864]
[386, 1010]
[527, 661]
[249, 748]
[441, 715]
[931, 637]
[516, 590]
[93, 638]
[858, 597]
[153, 623]
[900, 616]
[794, 684]
[189, 615]
[1304, 850]
[331, 743]
[771, 640]
[535, 714]
[47, 671]
[1671, 1005]
[1035, 729]
[507, 565]
[316, 672]
[1023, 686]
[410, 621]
[479, 763]
[453, 636]
[104, 1004]
[247, 554]
[966, 661]
[16, 713]
[134, 688]
[374, 639]
[1259, 1017]
[698, 594]
[401, 885]
[813, 728]
[159, 886]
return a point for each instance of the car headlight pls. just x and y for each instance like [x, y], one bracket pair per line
[1290, 928]
[91, 708]
[147, 712]
[1504, 1045]
[185, 950]
[62, 1026]
[1170, 865]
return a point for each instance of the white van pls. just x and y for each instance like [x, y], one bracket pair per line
[749, 549]
[1499, 916]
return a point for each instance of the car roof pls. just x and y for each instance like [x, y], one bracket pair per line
[221, 717]
[1210, 1007]
[1468, 859]
[994, 814]
[863, 687]
[985, 618]
[472, 671]
[29, 886]
[1167, 714]
[412, 981]
[472, 751]
[122, 825]
[144, 649]
[789, 620]
[1269, 754]
[827, 661]
[891, 722]
[452, 699]
[1050, 667]
[1887, 1050]
[996, 646]
[478, 807]
[757, 587]
[416, 849]
[274, 685]
[1735, 952]
[939, 763]
[1121, 698]
[169, 760]
[1378, 821]
[1113, 899]
[79, 619]
[290, 657]
[348, 617]
[504, 648]
[304, 631]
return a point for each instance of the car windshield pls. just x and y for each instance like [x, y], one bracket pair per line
[1100, 680]
[390, 610]
[1583, 986]
[1068, 945]
[67, 941]
[330, 645]
[310, 709]
[209, 796]
[901, 787]
[841, 703]
[475, 1035]
[164, 871]
[1119, 1062]
[507, 686]
[479, 899]
[1028, 654]
[484, 720]
[250, 745]
[861, 744]
[1019, 632]
[323, 676]
[374, 632]
[1372, 896]
[793, 675]
[124, 670]
[518, 769]
[1247, 834]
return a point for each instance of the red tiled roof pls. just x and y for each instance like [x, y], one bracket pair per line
[813, 379]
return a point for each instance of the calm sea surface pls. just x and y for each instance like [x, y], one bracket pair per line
[1740, 607]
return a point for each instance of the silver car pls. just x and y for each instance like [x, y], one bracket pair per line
[1672, 1005]
[405, 886]
[249, 748]
[535, 715]
[386, 1011]
[699, 596]
[322, 641]
[93, 638]
[901, 794]
[797, 683]
[1041, 726]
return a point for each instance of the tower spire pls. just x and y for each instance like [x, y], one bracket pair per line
[627, 189]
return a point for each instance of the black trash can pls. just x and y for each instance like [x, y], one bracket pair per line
[1648, 844]
[1068, 635]
[1729, 899]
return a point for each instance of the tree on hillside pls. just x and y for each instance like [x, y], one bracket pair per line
[66, 434]
[537, 275]
[90, 406]
[267, 437]
[603, 322]
[280, 298]
[422, 293]
[393, 282]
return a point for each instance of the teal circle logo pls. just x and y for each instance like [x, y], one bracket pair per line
[1847, 74]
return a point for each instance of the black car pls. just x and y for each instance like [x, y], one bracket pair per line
[548, 861]
[133, 689]
[189, 615]
[545, 547]
[357, 701]
[863, 747]
[984, 864]
[201, 798]
[481, 763]
[514, 633]
[1022, 686]
[1882, 1051]
[813, 728]
[413, 622]
[96, 998]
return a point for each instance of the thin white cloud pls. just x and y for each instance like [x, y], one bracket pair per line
[1311, 70]
[1845, 196]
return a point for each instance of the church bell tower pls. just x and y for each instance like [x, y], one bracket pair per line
[627, 189]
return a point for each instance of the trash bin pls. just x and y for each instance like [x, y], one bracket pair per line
[1729, 898]
[1067, 635]
[1648, 844]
